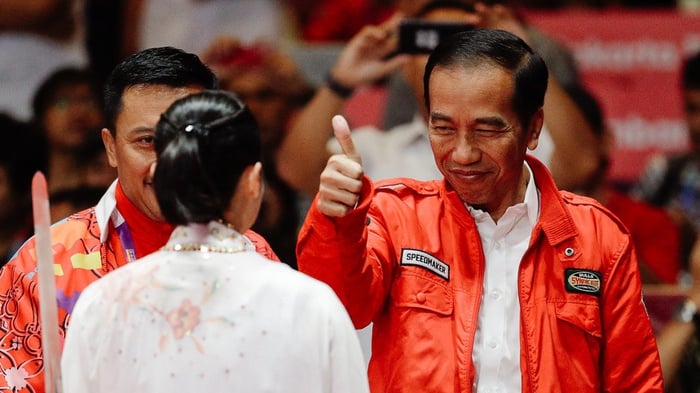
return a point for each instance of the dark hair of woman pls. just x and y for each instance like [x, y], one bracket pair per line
[204, 143]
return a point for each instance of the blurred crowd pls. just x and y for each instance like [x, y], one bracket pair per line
[51, 114]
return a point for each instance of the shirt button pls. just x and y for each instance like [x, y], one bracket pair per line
[420, 297]
[495, 294]
[492, 344]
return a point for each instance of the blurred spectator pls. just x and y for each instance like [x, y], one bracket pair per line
[401, 106]
[36, 37]
[67, 107]
[192, 25]
[656, 236]
[338, 20]
[673, 181]
[22, 153]
[263, 76]
[679, 340]
[552, 4]
[566, 145]
[272, 86]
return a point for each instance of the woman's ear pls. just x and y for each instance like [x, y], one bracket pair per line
[245, 203]
[255, 180]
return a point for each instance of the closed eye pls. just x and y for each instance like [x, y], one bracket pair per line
[490, 132]
[441, 129]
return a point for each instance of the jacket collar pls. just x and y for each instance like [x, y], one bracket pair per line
[555, 220]
[105, 208]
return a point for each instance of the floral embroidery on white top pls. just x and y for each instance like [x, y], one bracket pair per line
[208, 313]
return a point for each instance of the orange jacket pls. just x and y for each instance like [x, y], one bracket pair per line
[410, 260]
[80, 258]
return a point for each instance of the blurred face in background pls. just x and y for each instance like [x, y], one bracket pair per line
[415, 68]
[71, 115]
[270, 106]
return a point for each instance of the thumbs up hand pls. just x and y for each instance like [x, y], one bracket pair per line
[341, 180]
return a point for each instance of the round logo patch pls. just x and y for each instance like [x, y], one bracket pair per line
[583, 281]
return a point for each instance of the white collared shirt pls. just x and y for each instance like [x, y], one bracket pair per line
[496, 352]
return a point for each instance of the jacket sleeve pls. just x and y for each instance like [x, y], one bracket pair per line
[630, 358]
[351, 254]
[20, 331]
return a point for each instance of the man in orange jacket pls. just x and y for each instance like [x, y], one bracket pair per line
[125, 225]
[490, 279]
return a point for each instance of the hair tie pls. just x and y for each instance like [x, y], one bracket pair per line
[198, 128]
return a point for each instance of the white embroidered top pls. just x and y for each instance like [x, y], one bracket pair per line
[208, 314]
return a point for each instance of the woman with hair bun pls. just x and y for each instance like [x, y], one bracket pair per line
[206, 312]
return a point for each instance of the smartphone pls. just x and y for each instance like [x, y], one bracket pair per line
[418, 36]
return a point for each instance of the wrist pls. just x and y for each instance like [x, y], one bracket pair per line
[341, 90]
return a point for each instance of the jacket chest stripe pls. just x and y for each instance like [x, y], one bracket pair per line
[410, 257]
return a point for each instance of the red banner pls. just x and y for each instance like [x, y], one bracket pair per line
[631, 61]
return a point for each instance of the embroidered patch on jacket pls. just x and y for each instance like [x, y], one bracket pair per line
[426, 261]
[583, 281]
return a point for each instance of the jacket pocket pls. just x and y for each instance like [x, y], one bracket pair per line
[414, 290]
[585, 316]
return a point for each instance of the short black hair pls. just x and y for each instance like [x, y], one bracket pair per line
[500, 48]
[691, 72]
[166, 66]
[60, 78]
[204, 142]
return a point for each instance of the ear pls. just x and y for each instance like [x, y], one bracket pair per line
[110, 147]
[254, 180]
[534, 129]
[245, 203]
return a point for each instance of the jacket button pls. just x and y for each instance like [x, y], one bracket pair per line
[420, 297]
[569, 251]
